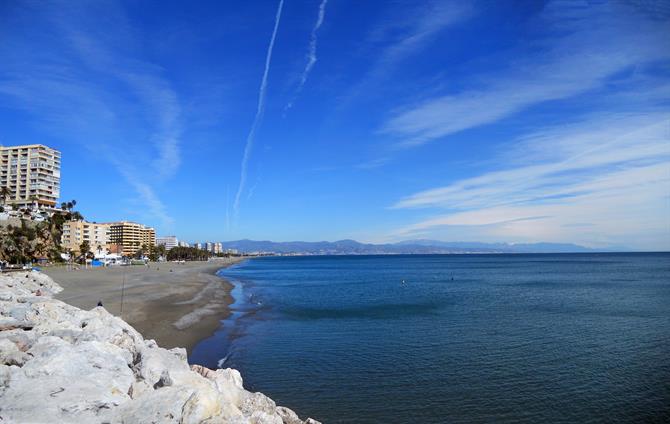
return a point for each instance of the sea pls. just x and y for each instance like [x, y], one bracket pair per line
[559, 338]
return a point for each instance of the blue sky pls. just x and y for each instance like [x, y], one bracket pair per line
[380, 121]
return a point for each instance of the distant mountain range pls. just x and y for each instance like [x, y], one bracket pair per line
[352, 247]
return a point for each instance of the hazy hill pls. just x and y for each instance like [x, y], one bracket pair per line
[352, 247]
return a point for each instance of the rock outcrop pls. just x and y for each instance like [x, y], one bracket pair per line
[59, 363]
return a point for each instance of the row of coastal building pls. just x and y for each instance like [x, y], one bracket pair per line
[213, 247]
[124, 238]
[30, 186]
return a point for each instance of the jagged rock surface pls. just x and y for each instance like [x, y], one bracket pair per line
[59, 363]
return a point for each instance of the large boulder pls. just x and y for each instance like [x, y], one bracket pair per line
[62, 364]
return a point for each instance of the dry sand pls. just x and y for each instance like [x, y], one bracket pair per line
[175, 304]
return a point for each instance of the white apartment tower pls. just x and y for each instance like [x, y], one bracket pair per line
[31, 174]
[168, 241]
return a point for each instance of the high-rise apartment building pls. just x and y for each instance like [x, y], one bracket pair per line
[31, 173]
[77, 232]
[168, 241]
[131, 236]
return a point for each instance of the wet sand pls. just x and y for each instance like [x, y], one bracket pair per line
[177, 305]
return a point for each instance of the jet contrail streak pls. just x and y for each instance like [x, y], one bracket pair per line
[311, 54]
[259, 114]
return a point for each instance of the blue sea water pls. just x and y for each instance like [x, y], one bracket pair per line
[453, 338]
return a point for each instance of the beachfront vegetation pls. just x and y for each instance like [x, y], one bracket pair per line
[158, 252]
[4, 194]
[180, 253]
[84, 249]
[28, 241]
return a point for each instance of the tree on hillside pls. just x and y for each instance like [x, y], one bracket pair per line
[68, 206]
[19, 244]
[5, 192]
[8, 247]
[35, 240]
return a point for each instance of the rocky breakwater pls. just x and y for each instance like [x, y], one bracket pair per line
[59, 363]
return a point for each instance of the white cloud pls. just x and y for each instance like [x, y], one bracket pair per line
[584, 47]
[149, 199]
[160, 102]
[600, 183]
[73, 90]
[405, 32]
[411, 32]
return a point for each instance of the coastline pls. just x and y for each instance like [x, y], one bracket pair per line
[178, 305]
[91, 366]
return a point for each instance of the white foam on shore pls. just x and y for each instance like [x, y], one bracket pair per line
[222, 361]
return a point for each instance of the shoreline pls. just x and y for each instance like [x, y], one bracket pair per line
[178, 305]
[91, 366]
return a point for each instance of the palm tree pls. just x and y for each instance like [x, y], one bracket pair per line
[84, 248]
[5, 192]
[33, 200]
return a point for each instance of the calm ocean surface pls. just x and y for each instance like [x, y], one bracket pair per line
[465, 338]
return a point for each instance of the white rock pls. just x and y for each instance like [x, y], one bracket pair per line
[59, 363]
[10, 353]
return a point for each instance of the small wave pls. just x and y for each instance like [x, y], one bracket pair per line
[222, 361]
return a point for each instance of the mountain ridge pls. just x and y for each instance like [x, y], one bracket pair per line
[420, 246]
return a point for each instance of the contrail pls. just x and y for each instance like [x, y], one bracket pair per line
[259, 114]
[311, 54]
[227, 209]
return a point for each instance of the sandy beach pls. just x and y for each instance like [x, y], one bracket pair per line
[176, 304]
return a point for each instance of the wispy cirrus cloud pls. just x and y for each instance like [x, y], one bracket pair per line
[155, 207]
[598, 176]
[144, 80]
[407, 35]
[93, 88]
[402, 33]
[609, 175]
[311, 54]
[407, 32]
[260, 110]
[583, 46]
